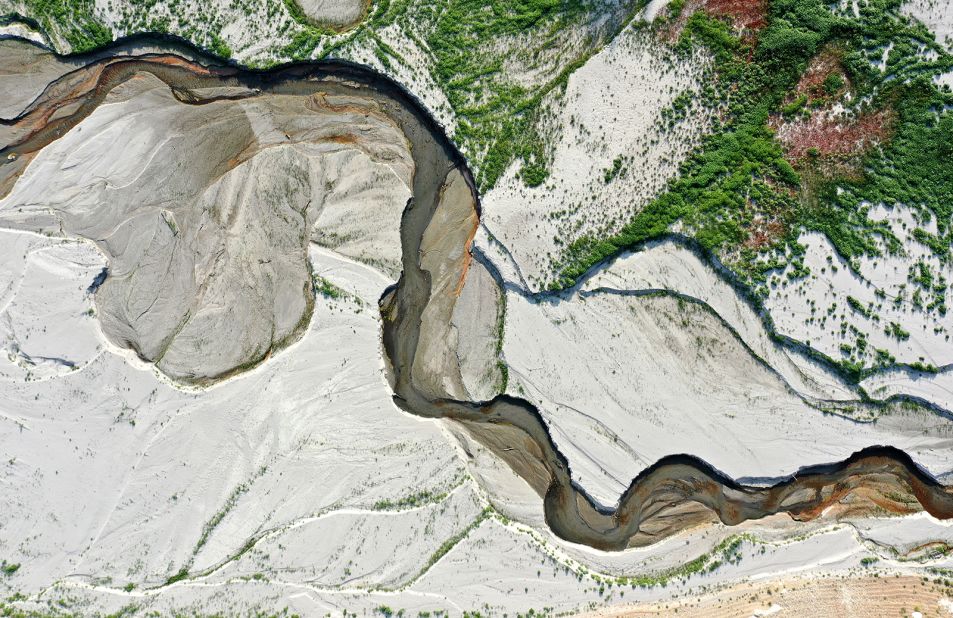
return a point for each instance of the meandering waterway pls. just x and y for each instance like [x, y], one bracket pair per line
[675, 493]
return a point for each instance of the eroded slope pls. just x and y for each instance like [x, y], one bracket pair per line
[204, 202]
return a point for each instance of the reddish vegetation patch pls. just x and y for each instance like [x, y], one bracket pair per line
[820, 67]
[743, 14]
[824, 134]
[747, 16]
[764, 233]
[677, 23]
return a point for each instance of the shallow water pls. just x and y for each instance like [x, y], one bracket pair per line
[675, 493]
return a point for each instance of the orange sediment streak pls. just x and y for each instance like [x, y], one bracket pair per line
[467, 257]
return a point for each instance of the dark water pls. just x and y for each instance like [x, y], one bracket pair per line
[676, 492]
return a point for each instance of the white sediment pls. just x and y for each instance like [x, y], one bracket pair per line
[300, 484]
[816, 308]
[612, 107]
[333, 12]
[937, 15]
[124, 473]
[624, 381]
[193, 236]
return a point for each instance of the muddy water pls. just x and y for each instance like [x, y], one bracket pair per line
[675, 493]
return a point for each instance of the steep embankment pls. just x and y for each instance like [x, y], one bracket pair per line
[435, 231]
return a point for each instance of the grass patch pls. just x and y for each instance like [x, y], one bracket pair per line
[452, 542]
[409, 502]
[217, 518]
[741, 175]
[73, 20]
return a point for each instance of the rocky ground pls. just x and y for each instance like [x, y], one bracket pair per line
[210, 427]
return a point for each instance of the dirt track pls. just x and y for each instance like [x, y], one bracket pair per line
[862, 597]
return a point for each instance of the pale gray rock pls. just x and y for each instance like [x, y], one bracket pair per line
[25, 71]
[477, 326]
[337, 13]
[444, 253]
[205, 213]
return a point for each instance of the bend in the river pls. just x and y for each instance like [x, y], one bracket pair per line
[675, 493]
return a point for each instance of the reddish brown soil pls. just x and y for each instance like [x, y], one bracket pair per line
[764, 233]
[748, 15]
[834, 136]
[673, 31]
[818, 69]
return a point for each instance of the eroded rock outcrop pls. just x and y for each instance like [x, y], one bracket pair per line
[338, 14]
[203, 186]
[204, 202]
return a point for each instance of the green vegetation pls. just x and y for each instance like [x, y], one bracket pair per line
[833, 83]
[857, 306]
[739, 166]
[9, 568]
[73, 20]
[794, 107]
[613, 171]
[323, 287]
[678, 110]
[914, 167]
[309, 37]
[727, 551]
[498, 118]
[501, 365]
[736, 178]
[743, 195]
[219, 47]
[884, 358]
[926, 282]
[179, 576]
[493, 114]
[924, 367]
[11, 611]
[452, 542]
[476, 46]
[60, 608]
[217, 518]
[741, 174]
[409, 502]
[327, 289]
[895, 330]
[294, 10]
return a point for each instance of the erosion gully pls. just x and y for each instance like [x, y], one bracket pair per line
[676, 492]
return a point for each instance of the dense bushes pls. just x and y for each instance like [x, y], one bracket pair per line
[497, 118]
[741, 173]
[73, 20]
